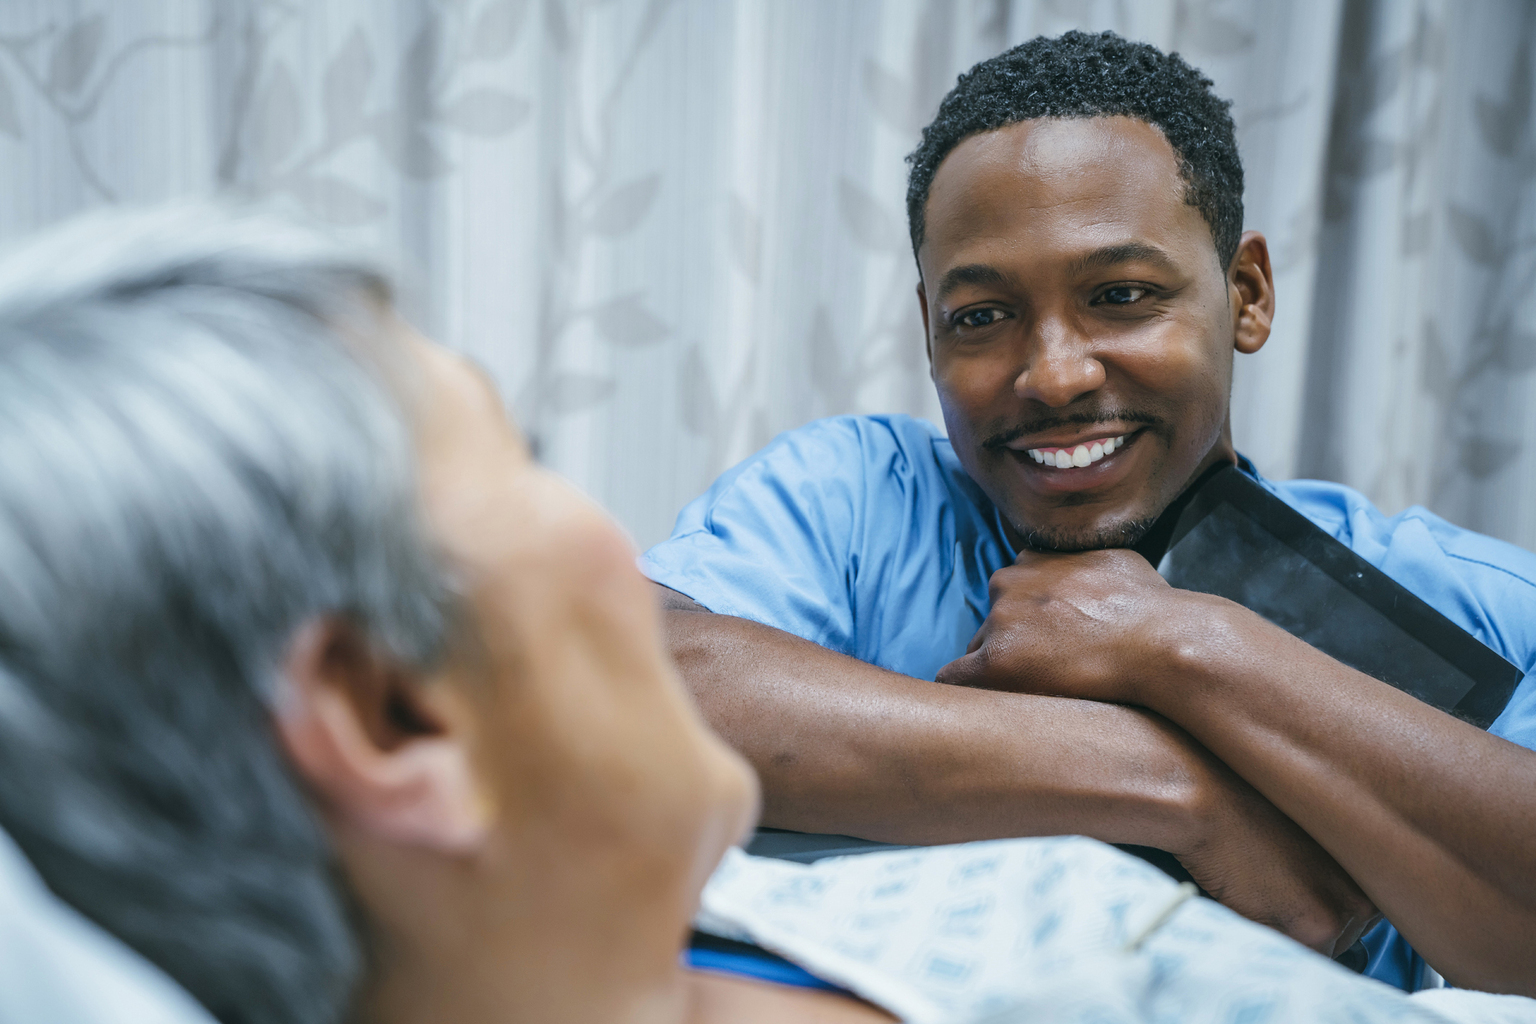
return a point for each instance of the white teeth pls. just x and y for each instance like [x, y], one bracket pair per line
[1082, 455]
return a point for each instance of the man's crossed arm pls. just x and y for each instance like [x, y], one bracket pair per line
[1435, 818]
[843, 746]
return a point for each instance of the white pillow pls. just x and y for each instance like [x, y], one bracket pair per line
[57, 966]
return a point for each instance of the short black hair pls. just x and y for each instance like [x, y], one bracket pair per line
[1079, 74]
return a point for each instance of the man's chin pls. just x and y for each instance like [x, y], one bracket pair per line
[1066, 539]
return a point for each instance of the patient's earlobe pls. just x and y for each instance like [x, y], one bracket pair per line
[380, 748]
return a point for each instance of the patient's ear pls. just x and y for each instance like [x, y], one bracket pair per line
[1251, 287]
[381, 748]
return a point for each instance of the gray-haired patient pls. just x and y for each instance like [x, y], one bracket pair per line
[314, 689]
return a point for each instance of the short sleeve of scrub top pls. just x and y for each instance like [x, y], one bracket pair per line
[859, 533]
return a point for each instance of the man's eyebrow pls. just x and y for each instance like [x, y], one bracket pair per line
[1114, 255]
[969, 273]
[1098, 259]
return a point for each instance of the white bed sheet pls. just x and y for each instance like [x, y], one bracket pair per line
[57, 967]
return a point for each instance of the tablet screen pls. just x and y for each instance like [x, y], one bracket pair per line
[1234, 539]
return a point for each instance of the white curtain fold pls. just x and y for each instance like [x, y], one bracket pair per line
[672, 228]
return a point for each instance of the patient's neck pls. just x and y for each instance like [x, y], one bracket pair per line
[504, 935]
[687, 997]
[444, 946]
[416, 990]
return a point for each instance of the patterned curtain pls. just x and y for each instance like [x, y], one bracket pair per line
[672, 228]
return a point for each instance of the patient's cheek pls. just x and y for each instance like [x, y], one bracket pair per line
[601, 751]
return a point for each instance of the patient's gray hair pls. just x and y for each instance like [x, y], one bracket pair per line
[194, 459]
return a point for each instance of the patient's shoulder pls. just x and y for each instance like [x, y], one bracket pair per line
[722, 999]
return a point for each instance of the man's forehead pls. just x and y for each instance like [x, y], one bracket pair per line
[1073, 184]
[1050, 146]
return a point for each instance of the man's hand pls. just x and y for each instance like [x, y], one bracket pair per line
[1084, 625]
[1069, 625]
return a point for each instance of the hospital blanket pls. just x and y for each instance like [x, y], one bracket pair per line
[1061, 929]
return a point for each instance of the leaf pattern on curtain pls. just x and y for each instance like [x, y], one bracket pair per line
[671, 228]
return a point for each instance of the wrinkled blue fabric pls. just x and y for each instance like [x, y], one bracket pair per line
[864, 534]
[778, 971]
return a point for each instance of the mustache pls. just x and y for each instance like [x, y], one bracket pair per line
[1002, 438]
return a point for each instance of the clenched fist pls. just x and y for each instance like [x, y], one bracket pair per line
[1097, 625]
[1071, 625]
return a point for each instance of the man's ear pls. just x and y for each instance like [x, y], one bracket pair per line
[381, 750]
[1251, 287]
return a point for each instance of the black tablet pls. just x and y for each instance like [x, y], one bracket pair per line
[1231, 537]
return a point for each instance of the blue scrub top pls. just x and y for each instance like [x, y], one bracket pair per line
[864, 534]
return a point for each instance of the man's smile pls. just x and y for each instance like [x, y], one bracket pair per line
[1079, 453]
[1079, 456]
[1075, 465]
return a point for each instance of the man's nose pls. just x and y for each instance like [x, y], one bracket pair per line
[1060, 365]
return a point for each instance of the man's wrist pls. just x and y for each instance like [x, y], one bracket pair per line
[1187, 665]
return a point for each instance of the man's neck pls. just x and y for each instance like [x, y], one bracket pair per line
[1154, 543]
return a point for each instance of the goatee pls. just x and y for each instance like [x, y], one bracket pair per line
[1120, 535]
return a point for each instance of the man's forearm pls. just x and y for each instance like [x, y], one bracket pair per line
[1435, 818]
[846, 747]
[843, 746]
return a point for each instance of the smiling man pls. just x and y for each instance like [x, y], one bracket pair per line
[1078, 235]
[1076, 214]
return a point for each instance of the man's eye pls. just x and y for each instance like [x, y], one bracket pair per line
[1123, 295]
[981, 317]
